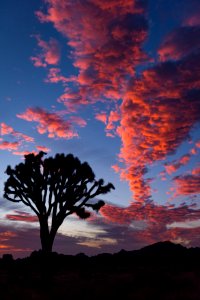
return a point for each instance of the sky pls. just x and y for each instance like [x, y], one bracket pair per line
[116, 83]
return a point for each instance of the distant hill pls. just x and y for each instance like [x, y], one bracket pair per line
[165, 247]
[161, 252]
[159, 271]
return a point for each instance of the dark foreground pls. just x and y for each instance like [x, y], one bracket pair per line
[161, 271]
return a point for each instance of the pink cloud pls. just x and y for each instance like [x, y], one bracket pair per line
[156, 216]
[10, 146]
[113, 120]
[25, 152]
[173, 167]
[180, 43]
[147, 121]
[197, 144]
[196, 171]
[150, 127]
[194, 18]
[101, 52]
[102, 117]
[78, 121]
[8, 130]
[147, 223]
[187, 185]
[22, 216]
[43, 148]
[193, 151]
[50, 53]
[52, 123]
[54, 76]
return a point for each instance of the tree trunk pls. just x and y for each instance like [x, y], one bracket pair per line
[46, 240]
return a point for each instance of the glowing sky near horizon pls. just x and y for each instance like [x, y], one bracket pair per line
[117, 83]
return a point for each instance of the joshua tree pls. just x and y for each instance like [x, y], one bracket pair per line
[54, 188]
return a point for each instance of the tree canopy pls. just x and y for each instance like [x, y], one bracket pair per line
[54, 188]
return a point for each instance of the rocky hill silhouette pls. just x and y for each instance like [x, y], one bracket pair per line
[159, 271]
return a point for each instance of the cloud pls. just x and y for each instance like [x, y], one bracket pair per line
[149, 223]
[106, 46]
[10, 146]
[180, 43]
[43, 148]
[159, 107]
[174, 166]
[150, 213]
[194, 20]
[113, 121]
[78, 121]
[150, 127]
[52, 123]
[196, 171]
[197, 144]
[24, 152]
[22, 217]
[50, 54]
[102, 117]
[19, 242]
[187, 185]
[16, 146]
[55, 76]
[8, 130]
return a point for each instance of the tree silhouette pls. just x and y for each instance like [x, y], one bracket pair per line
[54, 188]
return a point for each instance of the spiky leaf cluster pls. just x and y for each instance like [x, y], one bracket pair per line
[56, 186]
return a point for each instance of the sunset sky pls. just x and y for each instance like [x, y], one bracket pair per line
[116, 83]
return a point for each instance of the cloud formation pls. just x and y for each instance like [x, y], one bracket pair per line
[8, 130]
[187, 185]
[22, 217]
[150, 128]
[175, 165]
[50, 53]
[180, 43]
[52, 123]
[149, 223]
[106, 45]
[10, 146]
[158, 111]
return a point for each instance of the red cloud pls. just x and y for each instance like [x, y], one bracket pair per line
[43, 148]
[5, 129]
[101, 117]
[8, 130]
[10, 146]
[196, 171]
[106, 45]
[194, 16]
[6, 235]
[173, 167]
[49, 122]
[180, 43]
[78, 121]
[158, 111]
[50, 53]
[113, 117]
[22, 216]
[187, 185]
[54, 76]
[197, 144]
[152, 214]
[148, 223]
[22, 153]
